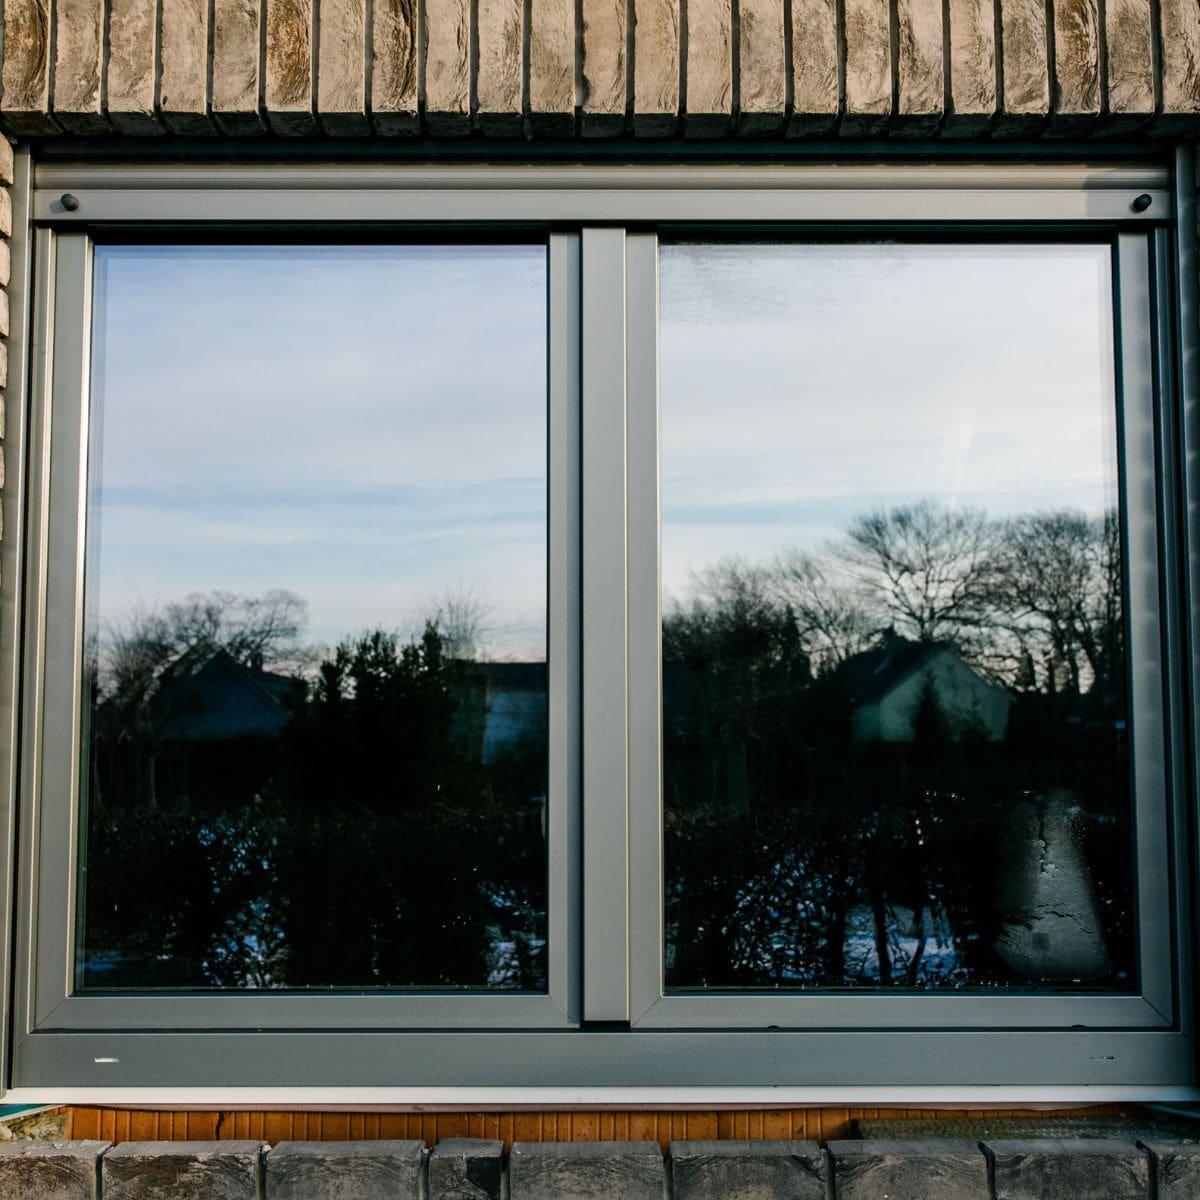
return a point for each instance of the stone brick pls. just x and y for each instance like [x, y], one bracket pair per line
[466, 1169]
[708, 25]
[585, 1171]
[1069, 1169]
[51, 1170]
[934, 1169]
[602, 66]
[364, 1170]
[1177, 1166]
[747, 1170]
[182, 1171]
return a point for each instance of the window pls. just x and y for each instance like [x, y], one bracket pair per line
[621, 628]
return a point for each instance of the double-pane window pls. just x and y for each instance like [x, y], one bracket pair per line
[651, 641]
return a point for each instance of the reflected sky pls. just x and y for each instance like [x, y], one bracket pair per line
[362, 425]
[366, 425]
[803, 384]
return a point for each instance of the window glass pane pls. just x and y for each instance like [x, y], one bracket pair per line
[316, 702]
[894, 715]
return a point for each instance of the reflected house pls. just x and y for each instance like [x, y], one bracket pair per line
[503, 716]
[205, 732]
[210, 696]
[515, 708]
[210, 728]
[888, 684]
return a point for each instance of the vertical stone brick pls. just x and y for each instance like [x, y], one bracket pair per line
[604, 98]
[815, 99]
[762, 71]
[709, 67]
[394, 40]
[972, 81]
[1129, 29]
[182, 1171]
[448, 66]
[766, 1170]
[50, 1170]
[655, 67]
[132, 73]
[1179, 29]
[183, 66]
[868, 68]
[288, 86]
[585, 1171]
[235, 84]
[498, 83]
[25, 100]
[466, 1169]
[1069, 1169]
[552, 67]
[342, 67]
[1076, 64]
[1026, 99]
[909, 1170]
[920, 85]
[79, 38]
[366, 1170]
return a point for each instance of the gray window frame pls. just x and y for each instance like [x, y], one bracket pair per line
[606, 1021]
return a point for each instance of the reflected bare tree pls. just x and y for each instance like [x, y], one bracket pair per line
[832, 616]
[802, 848]
[926, 566]
[1055, 585]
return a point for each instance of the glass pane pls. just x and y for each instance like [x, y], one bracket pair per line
[316, 571]
[894, 714]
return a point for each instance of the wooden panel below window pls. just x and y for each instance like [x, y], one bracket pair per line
[821, 1124]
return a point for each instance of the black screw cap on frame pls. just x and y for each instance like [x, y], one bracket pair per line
[70, 203]
[1142, 202]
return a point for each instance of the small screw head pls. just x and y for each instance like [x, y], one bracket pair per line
[1142, 202]
[70, 203]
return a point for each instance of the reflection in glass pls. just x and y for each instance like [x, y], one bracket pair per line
[894, 713]
[316, 619]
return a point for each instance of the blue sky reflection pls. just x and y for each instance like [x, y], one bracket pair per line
[362, 425]
[803, 384]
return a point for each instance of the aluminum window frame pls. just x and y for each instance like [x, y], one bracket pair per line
[1134, 278]
[611, 1025]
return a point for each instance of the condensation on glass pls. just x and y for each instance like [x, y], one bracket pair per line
[315, 699]
[894, 683]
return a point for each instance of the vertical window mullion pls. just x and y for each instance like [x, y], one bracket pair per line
[563, 832]
[605, 729]
[645, 618]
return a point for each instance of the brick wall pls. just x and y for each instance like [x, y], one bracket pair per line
[557, 68]
[463, 1169]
